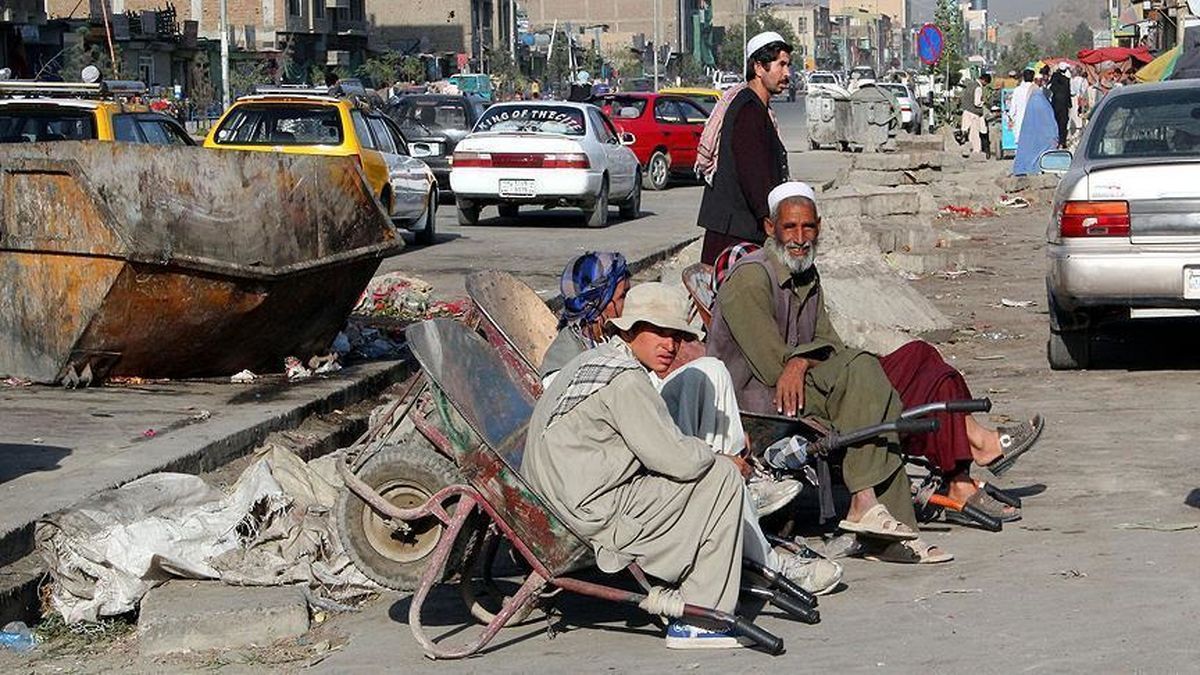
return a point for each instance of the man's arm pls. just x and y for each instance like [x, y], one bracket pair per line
[751, 155]
[643, 421]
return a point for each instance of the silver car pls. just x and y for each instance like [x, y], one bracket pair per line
[1124, 238]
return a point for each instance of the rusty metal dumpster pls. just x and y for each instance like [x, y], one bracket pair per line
[172, 262]
[828, 119]
[874, 118]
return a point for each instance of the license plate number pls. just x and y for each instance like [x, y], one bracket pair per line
[1191, 283]
[514, 187]
[424, 149]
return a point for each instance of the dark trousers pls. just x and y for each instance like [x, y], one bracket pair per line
[715, 242]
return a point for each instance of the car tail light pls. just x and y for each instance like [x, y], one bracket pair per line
[463, 158]
[1094, 219]
[566, 160]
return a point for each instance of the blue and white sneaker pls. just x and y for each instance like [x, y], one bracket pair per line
[684, 636]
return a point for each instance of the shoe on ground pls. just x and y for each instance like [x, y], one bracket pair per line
[815, 575]
[769, 495]
[686, 636]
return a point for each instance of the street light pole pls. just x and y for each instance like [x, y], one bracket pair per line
[225, 100]
[655, 45]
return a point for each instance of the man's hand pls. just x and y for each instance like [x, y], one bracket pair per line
[789, 390]
[742, 465]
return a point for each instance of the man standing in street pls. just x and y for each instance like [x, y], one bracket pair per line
[751, 159]
[1020, 98]
[1061, 100]
[972, 102]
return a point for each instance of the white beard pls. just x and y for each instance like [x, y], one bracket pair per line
[796, 266]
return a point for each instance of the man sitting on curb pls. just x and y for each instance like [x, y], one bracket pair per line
[771, 329]
[605, 453]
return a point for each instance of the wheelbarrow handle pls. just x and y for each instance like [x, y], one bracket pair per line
[970, 405]
[987, 522]
[769, 643]
[917, 426]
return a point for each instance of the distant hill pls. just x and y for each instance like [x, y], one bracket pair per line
[1057, 15]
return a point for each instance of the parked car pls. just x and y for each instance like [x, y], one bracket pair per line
[79, 111]
[1124, 238]
[701, 96]
[666, 131]
[860, 75]
[823, 81]
[322, 121]
[723, 81]
[546, 154]
[911, 113]
[433, 124]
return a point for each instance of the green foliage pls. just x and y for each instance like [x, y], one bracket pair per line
[690, 72]
[411, 69]
[1018, 56]
[558, 68]
[948, 17]
[1064, 44]
[81, 54]
[316, 75]
[380, 71]
[730, 53]
[1083, 36]
[244, 74]
[505, 73]
[626, 62]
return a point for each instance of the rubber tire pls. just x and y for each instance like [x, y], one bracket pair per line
[813, 145]
[597, 215]
[468, 213]
[632, 207]
[649, 181]
[423, 469]
[509, 210]
[427, 234]
[1069, 350]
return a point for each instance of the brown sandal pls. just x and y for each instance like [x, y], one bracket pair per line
[878, 523]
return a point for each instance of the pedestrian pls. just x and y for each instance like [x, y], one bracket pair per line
[1060, 100]
[751, 158]
[973, 101]
[1020, 98]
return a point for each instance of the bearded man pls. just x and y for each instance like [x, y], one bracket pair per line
[771, 328]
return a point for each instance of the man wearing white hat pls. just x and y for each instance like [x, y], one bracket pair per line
[605, 454]
[750, 158]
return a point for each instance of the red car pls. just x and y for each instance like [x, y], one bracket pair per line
[666, 128]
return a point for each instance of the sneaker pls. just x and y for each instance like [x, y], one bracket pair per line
[685, 636]
[769, 495]
[817, 576]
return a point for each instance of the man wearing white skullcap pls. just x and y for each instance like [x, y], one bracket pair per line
[750, 158]
[771, 328]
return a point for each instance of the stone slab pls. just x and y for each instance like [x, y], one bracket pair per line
[197, 615]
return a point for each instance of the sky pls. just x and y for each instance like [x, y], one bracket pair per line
[999, 10]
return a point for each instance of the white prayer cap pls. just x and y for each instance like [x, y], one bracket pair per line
[762, 40]
[1065, 67]
[789, 189]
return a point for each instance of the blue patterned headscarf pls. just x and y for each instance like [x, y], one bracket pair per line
[588, 284]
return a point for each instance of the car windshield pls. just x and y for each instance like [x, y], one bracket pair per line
[897, 89]
[1148, 124]
[30, 126]
[540, 119]
[822, 78]
[430, 115]
[277, 124]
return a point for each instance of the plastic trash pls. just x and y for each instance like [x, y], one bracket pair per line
[17, 637]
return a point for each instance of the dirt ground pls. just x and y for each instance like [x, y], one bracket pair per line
[1099, 575]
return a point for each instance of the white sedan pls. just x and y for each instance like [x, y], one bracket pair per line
[546, 154]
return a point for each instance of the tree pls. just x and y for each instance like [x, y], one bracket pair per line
[1083, 36]
[411, 69]
[1020, 54]
[380, 71]
[1064, 44]
[729, 54]
[244, 74]
[626, 62]
[948, 17]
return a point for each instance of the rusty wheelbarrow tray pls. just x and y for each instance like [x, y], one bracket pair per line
[173, 262]
[483, 423]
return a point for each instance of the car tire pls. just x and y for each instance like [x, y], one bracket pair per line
[632, 207]
[813, 145]
[509, 210]
[405, 474]
[658, 171]
[468, 213]
[1069, 350]
[426, 234]
[597, 214]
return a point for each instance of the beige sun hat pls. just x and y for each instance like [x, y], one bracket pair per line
[657, 304]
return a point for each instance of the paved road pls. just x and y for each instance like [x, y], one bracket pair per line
[537, 244]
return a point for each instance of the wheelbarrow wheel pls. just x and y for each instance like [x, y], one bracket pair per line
[406, 475]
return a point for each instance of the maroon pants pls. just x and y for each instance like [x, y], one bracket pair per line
[918, 372]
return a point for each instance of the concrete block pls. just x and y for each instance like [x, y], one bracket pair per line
[197, 615]
[899, 161]
[897, 201]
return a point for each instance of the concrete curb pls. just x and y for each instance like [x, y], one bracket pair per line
[23, 571]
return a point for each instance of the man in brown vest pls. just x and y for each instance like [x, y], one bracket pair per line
[771, 328]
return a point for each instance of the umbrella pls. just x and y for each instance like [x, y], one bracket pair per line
[1160, 68]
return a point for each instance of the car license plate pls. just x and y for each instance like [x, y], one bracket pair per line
[514, 187]
[424, 149]
[1191, 283]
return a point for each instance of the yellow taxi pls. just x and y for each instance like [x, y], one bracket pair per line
[335, 122]
[702, 96]
[34, 112]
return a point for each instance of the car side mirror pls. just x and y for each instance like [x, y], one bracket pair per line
[628, 138]
[1055, 161]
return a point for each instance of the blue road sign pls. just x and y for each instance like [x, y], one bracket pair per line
[929, 44]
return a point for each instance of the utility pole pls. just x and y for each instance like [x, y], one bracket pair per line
[655, 45]
[225, 100]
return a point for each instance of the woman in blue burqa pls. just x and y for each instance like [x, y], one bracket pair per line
[1039, 133]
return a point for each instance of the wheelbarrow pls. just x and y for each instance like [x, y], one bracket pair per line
[515, 320]
[480, 416]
